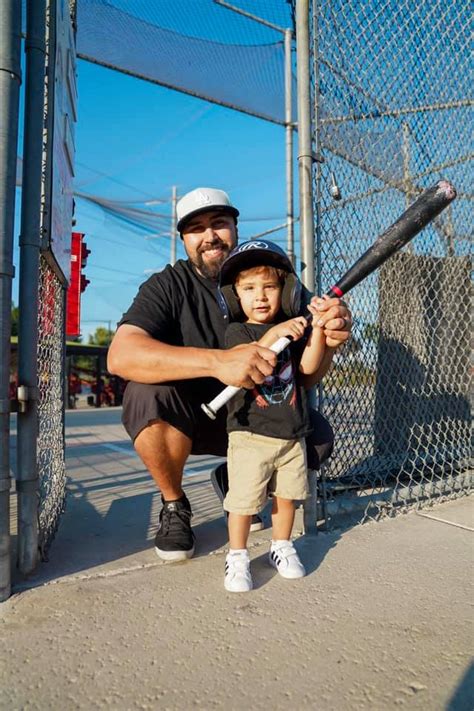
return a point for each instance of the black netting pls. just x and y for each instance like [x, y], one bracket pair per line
[195, 47]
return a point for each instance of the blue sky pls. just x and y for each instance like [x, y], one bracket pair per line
[135, 141]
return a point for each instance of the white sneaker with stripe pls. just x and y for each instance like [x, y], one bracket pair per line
[285, 559]
[237, 571]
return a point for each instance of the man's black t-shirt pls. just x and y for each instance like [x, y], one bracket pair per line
[278, 407]
[179, 307]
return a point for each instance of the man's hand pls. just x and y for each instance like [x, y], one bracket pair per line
[245, 365]
[334, 318]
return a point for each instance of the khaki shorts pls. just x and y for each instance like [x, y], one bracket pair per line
[259, 465]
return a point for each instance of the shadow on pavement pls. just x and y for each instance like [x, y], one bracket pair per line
[311, 549]
[463, 697]
[110, 522]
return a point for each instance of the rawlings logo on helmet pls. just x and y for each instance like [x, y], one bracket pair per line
[252, 245]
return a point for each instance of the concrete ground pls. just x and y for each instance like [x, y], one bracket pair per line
[383, 619]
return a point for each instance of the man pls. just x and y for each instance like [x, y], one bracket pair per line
[169, 345]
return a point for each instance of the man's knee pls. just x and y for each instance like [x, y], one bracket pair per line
[162, 445]
[144, 404]
[320, 443]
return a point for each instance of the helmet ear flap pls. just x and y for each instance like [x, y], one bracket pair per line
[230, 304]
[291, 296]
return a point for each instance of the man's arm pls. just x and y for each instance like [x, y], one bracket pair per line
[135, 355]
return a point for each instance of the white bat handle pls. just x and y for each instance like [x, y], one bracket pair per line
[211, 408]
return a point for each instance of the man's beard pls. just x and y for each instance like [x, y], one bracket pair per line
[211, 269]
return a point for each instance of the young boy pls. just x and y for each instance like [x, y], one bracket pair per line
[267, 425]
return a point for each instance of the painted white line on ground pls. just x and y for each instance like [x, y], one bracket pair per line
[119, 448]
[443, 520]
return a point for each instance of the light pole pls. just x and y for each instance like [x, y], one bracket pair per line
[174, 231]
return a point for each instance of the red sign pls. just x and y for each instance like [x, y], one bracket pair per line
[73, 299]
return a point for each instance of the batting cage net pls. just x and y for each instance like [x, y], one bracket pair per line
[392, 116]
[50, 447]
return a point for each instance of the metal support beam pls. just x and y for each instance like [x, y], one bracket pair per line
[30, 242]
[290, 217]
[305, 153]
[10, 81]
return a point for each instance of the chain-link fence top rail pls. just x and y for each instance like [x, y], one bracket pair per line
[393, 116]
[193, 46]
[50, 452]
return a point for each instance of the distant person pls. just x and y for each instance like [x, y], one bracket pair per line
[267, 425]
[75, 389]
[170, 346]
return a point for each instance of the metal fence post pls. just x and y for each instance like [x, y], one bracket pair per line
[305, 164]
[30, 240]
[10, 80]
[305, 153]
[290, 218]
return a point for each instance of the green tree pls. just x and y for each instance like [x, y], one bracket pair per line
[371, 332]
[101, 337]
[15, 320]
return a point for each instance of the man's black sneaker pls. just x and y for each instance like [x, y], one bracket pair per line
[174, 539]
[220, 482]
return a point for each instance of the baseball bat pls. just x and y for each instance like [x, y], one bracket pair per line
[419, 214]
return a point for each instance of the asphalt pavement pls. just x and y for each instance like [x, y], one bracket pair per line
[383, 619]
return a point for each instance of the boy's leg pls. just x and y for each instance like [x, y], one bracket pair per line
[239, 527]
[237, 563]
[220, 483]
[283, 555]
[289, 483]
[283, 517]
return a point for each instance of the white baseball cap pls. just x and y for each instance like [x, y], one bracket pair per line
[203, 200]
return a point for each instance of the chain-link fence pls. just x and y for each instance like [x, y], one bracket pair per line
[50, 452]
[393, 116]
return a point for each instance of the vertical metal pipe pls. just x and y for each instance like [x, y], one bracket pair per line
[305, 164]
[30, 241]
[290, 240]
[317, 146]
[10, 81]
[174, 220]
[406, 162]
[305, 153]
[318, 239]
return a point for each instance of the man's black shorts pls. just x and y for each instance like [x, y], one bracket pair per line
[175, 404]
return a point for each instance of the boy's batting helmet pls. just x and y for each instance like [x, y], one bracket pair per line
[257, 253]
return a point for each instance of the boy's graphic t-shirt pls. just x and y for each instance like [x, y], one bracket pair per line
[278, 407]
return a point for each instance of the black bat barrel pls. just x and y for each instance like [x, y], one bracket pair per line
[414, 219]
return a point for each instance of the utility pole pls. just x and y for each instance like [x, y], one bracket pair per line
[174, 219]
